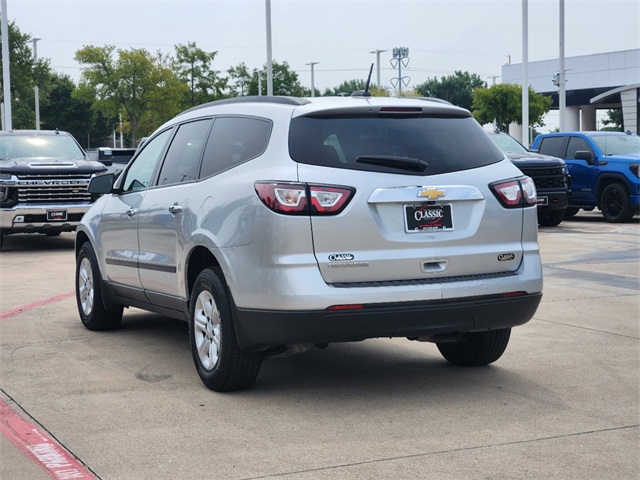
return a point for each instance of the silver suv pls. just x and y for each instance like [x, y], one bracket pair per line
[274, 223]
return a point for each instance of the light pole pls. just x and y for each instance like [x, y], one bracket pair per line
[562, 93]
[378, 52]
[35, 62]
[525, 73]
[6, 78]
[269, 57]
[313, 85]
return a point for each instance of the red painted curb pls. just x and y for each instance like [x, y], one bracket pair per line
[40, 448]
[39, 303]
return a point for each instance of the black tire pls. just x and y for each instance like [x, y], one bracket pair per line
[96, 312]
[615, 204]
[477, 348]
[571, 212]
[221, 364]
[551, 218]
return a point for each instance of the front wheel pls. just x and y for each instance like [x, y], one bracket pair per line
[615, 204]
[221, 364]
[477, 348]
[96, 312]
[571, 212]
[550, 218]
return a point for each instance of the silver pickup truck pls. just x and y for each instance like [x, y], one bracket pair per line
[44, 176]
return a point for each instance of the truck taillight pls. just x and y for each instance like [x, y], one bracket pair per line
[514, 193]
[292, 198]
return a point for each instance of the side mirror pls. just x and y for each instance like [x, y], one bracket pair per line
[101, 184]
[584, 155]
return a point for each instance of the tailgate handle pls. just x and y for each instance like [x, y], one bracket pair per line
[434, 266]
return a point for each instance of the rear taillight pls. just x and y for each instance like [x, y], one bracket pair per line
[292, 198]
[514, 193]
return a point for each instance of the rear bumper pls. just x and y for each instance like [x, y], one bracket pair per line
[259, 329]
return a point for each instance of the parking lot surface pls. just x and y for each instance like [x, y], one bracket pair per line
[562, 402]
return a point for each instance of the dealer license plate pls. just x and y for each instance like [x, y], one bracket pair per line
[428, 218]
[56, 215]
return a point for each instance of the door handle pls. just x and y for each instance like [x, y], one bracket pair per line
[175, 208]
[131, 212]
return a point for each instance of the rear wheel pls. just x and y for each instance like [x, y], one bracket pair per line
[615, 204]
[550, 218]
[477, 348]
[221, 364]
[96, 312]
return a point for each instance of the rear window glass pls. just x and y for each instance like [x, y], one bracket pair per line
[553, 146]
[446, 144]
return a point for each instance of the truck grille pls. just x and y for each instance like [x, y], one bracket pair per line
[34, 189]
[546, 178]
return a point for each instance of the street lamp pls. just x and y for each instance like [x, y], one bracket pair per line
[378, 52]
[313, 88]
[35, 62]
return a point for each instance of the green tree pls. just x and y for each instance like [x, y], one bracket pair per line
[25, 74]
[239, 78]
[285, 81]
[614, 120]
[346, 88]
[193, 67]
[457, 88]
[124, 85]
[61, 110]
[166, 100]
[503, 103]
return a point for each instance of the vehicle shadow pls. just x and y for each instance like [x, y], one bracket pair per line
[380, 369]
[37, 242]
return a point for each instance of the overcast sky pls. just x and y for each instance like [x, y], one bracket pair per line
[478, 36]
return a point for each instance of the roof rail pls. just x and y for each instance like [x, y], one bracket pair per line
[282, 100]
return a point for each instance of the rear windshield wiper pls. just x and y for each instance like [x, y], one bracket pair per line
[402, 163]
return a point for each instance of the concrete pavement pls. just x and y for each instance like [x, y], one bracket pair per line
[563, 401]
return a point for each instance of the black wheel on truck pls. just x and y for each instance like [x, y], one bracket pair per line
[615, 204]
[551, 218]
[571, 212]
[221, 364]
[477, 348]
[96, 312]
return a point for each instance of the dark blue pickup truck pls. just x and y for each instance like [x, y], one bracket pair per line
[604, 170]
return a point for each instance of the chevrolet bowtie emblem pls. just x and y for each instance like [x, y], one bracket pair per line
[431, 193]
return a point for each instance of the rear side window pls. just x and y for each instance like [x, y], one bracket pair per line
[233, 141]
[446, 144]
[553, 146]
[182, 161]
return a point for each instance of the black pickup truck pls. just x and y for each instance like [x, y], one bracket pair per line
[44, 176]
[550, 174]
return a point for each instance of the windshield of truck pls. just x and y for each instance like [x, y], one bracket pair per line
[507, 143]
[14, 146]
[618, 144]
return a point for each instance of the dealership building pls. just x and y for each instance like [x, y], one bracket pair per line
[600, 81]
